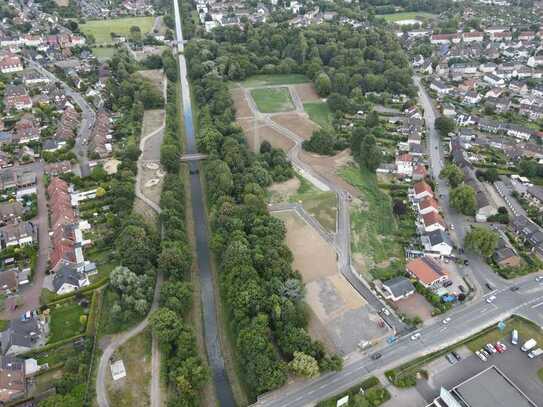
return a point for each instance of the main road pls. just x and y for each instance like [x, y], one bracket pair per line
[211, 333]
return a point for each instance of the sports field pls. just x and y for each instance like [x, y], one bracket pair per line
[272, 100]
[407, 15]
[102, 29]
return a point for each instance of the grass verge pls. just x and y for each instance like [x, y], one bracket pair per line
[102, 29]
[271, 80]
[65, 321]
[320, 113]
[374, 395]
[322, 205]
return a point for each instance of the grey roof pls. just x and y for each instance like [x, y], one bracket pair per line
[491, 388]
[536, 192]
[399, 286]
[503, 254]
[438, 236]
[66, 274]
[24, 332]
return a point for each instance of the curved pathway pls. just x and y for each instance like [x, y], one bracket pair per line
[342, 238]
[120, 339]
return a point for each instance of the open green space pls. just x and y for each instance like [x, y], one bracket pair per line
[65, 321]
[406, 15]
[103, 53]
[320, 113]
[374, 228]
[540, 374]
[273, 80]
[101, 29]
[322, 205]
[373, 395]
[272, 100]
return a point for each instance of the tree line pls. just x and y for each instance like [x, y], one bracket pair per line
[263, 294]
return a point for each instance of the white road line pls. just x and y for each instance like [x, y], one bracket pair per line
[537, 305]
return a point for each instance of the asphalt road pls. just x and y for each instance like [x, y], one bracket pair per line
[88, 118]
[465, 321]
[211, 333]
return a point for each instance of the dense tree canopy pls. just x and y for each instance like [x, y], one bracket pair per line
[481, 240]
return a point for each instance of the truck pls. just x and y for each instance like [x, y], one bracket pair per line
[514, 337]
[528, 345]
[535, 353]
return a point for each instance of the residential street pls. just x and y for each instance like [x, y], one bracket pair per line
[87, 120]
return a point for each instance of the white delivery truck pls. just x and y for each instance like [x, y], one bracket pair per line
[514, 337]
[535, 353]
[528, 345]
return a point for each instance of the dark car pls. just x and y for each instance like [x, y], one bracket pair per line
[195, 171]
[376, 356]
[447, 283]
[456, 355]
[461, 288]
[487, 285]
[514, 288]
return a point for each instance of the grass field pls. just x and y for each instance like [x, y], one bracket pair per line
[65, 321]
[272, 80]
[102, 29]
[373, 226]
[320, 113]
[407, 15]
[103, 53]
[322, 205]
[272, 100]
[540, 374]
[526, 330]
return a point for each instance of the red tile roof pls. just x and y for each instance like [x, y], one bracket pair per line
[426, 270]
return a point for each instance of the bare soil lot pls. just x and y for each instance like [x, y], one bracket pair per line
[297, 123]
[337, 306]
[282, 191]
[263, 133]
[240, 103]
[415, 305]
[307, 92]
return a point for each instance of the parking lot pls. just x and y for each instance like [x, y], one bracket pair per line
[513, 362]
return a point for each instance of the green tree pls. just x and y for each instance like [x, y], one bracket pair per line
[166, 324]
[175, 261]
[176, 296]
[464, 200]
[304, 365]
[323, 84]
[453, 174]
[444, 125]
[482, 240]
[370, 155]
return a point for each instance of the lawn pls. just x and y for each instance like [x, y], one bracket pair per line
[407, 15]
[273, 80]
[102, 29]
[540, 374]
[65, 321]
[322, 205]
[373, 226]
[374, 395]
[320, 113]
[526, 330]
[272, 100]
[103, 53]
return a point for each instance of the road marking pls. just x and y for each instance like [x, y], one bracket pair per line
[443, 329]
[537, 305]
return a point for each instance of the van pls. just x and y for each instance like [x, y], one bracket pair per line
[528, 345]
[535, 353]
[514, 337]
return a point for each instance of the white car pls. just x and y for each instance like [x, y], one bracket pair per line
[480, 355]
[385, 311]
[416, 336]
[451, 226]
[491, 299]
[539, 279]
[447, 320]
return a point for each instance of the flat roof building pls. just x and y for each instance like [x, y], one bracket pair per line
[489, 388]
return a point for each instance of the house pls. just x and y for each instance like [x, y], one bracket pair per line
[526, 36]
[12, 379]
[419, 172]
[58, 168]
[10, 64]
[488, 67]
[473, 36]
[440, 87]
[16, 98]
[535, 195]
[445, 38]
[533, 112]
[519, 132]
[437, 243]
[505, 36]
[8, 282]
[484, 208]
[10, 212]
[397, 288]
[535, 61]
[68, 279]
[18, 234]
[427, 205]
[404, 165]
[449, 110]
[493, 80]
[23, 334]
[433, 221]
[506, 257]
[422, 190]
[26, 130]
[427, 271]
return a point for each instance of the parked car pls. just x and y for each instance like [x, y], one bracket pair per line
[514, 337]
[446, 320]
[539, 279]
[515, 288]
[416, 336]
[451, 359]
[461, 288]
[447, 283]
[491, 299]
[489, 347]
[500, 347]
[385, 311]
[487, 285]
[485, 352]
[456, 355]
[480, 355]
